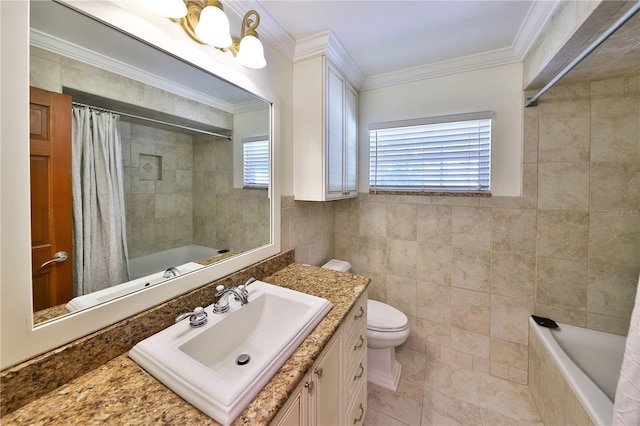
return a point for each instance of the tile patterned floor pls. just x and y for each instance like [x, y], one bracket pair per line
[436, 393]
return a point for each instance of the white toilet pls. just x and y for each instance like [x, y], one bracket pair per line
[387, 328]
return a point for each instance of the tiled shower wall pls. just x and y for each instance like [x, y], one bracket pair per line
[158, 176]
[469, 271]
[225, 217]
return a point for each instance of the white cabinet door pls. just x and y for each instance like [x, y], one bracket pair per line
[327, 375]
[351, 142]
[335, 132]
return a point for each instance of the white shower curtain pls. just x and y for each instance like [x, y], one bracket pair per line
[100, 244]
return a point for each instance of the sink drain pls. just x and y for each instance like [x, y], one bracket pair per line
[243, 359]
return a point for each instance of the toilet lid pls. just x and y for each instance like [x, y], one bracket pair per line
[382, 317]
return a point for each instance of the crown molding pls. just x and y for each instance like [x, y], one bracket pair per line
[326, 43]
[269, 30]
[73, 51]
[537, 18]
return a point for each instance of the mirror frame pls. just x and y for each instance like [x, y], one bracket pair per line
[20, 340]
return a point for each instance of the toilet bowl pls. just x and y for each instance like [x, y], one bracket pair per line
[387, 327]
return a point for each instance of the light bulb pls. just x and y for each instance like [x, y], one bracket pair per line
[167, 8]
[251, 53]
[213, 27]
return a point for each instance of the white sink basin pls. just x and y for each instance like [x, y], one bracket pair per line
[199, 364]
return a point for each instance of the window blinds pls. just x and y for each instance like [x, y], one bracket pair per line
[449, 154]
[255, 161]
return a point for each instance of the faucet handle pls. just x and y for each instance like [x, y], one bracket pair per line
[219, 290]
[196, 318]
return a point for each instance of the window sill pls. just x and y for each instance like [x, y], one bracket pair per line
[434, 193]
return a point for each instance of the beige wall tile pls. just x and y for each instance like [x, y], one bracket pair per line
[471, 310]
[567, 315]
[513, 230]
[402, 258]
[562, 282]
[471, 227]
[614, 238]
[509, 319]
[513, 275]
[563, 186]
[434, 224]
[402, 222]
[373, 219]
[563, 234]
[433, 302]
[434, 263]
[433, 332]
[614, 186]
[471, 269]
[401, 294]
[612, 289]
[564, 137]
[615, 135]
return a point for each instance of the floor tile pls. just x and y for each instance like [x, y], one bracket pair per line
[438, 393]
[404, 405]
[376, 418]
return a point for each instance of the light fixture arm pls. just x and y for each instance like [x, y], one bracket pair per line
[250, 23]
[190, 21]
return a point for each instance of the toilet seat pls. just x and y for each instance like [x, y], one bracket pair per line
[384, 318]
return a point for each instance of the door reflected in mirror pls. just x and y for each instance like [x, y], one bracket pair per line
[171, 194]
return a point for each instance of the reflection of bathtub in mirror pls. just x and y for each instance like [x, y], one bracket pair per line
[146, 271]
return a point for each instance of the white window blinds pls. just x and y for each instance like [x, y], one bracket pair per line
[255, 162]
[441, 154]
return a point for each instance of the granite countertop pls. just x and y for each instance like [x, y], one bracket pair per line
[120, 392]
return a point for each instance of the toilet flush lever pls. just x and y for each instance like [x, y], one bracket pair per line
[59, 257]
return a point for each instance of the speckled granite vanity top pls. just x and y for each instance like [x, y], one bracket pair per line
[120, 392]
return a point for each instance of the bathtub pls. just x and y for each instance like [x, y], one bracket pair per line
[147, 264]
[146, 271]
[573, 373]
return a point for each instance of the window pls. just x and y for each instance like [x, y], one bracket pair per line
[440, 154]
[255, 162]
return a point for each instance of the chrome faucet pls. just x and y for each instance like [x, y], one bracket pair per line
[243, 288]
[171, 272]
[196, 318]
[222, 304]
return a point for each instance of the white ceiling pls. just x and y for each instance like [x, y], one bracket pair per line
[386, 38]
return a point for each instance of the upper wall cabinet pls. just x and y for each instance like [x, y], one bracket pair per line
[325, 142]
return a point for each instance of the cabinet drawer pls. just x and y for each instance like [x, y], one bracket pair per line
[356, 376]
[355, 347]
[357, 316]
[358, 409]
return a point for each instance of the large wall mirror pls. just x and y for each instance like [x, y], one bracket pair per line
[168, 176]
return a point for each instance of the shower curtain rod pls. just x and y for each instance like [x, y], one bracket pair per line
[153, 120]
[533, 101]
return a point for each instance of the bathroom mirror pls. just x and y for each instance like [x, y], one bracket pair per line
[181, 132]
[244, 109]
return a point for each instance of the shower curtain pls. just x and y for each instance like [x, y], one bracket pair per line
[100, 245]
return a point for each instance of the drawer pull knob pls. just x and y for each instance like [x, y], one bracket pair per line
[359, 419]
[359, 375]
[309, 385]
[360, 344]
[318, 371]
[360, 315]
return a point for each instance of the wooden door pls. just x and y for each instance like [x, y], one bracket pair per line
[51, 208]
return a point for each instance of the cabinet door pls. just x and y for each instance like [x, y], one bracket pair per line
[351, 141]
[327, 376]
[335, 132]
[293, 414]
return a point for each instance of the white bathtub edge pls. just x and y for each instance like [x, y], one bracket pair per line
[593, 400]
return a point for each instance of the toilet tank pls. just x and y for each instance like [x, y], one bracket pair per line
[338, 265]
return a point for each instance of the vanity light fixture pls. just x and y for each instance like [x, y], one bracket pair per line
[205, 22]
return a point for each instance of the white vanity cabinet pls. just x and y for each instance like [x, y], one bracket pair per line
[334, 391]
[325, 142]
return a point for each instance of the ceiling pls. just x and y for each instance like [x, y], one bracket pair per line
[386, 38]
